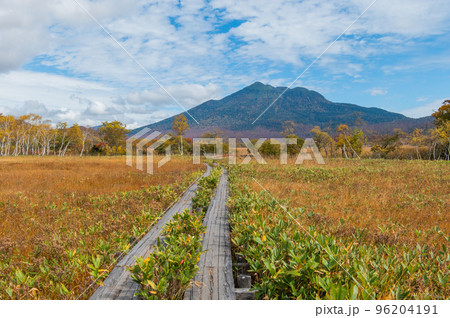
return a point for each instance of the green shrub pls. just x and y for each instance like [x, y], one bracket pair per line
[167, 272]
[206, 187]
[289, 260]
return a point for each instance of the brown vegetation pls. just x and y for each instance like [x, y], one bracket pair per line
[406, 201]
[351, 229]
[63, 220]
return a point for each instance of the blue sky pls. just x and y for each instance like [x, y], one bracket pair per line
[55, 61]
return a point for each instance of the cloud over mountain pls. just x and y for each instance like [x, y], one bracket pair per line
[200, 50]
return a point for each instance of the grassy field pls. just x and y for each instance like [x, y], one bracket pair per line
[63, 220]
[350, 229]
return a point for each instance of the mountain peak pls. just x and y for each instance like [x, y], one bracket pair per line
[307, 108]
[257, 86]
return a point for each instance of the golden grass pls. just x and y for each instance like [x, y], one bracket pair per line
[407, 201]
[384, 221]
[57, 213]
[93, 175]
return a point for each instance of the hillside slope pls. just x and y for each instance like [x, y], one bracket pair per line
[235, 113]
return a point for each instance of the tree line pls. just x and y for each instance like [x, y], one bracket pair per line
[350, 142]
[432, 144]
[32, 135]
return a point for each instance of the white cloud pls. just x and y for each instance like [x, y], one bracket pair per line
[33, 106]
[187, 95]
[26, 25]
[285, 30]
[425, 110]
[5, 110]
[23, 32]
[90, 103]
[377, 91]
[189, 57]
[52, 90]
[97, 108]
[407, 18]
[67, 115]
[51, 96]
[276, 31]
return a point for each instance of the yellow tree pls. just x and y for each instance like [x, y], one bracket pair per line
[350, 139]
[441, 136]
[45, 133]
[77, 138]
[342, 142]
[179, 127]
[114, 133]
[444, 130]
[288, 128]
[88, 136]
[33, 138]
[62, 139]
[322, 139]
[442, 123]
[443, 114]
[7, 127]
[357, 141]
[417, 140]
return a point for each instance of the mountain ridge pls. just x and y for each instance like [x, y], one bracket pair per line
[235, 113]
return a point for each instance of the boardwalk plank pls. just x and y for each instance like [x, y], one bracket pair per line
[118, 284]
[215, 276]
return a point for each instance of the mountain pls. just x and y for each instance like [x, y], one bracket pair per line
[235, 113]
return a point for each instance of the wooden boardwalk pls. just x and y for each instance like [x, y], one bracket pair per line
[214, 281]
[119, 285]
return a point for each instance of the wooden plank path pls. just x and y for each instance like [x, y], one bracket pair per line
[214, 281]
[118, 284]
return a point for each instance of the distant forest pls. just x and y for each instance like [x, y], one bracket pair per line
[32, 135]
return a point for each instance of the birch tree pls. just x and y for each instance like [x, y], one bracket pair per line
[179, 127]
